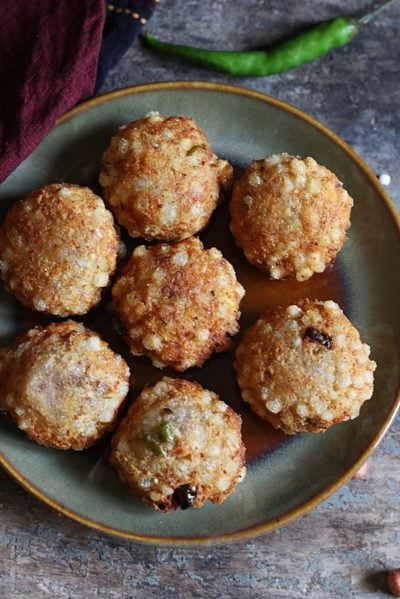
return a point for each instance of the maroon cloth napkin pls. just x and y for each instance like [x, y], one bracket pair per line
[49, 51]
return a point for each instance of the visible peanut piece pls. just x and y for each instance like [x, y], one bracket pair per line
[362, 471]
[394, 582]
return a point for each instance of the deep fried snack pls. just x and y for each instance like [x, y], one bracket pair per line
[304, 367]
[58, 249]
[62, 385]
[290, 216]
[178, 303]
[179, 446]
[161, 179]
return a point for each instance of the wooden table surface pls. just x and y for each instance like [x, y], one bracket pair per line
[343, 548]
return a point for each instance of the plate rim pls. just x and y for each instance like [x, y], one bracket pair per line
[293, 514]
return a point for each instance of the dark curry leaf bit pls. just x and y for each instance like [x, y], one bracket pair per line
[317, 336]
[302, 48]
[184, 496]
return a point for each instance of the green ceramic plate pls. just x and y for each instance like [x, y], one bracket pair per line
[286, 476]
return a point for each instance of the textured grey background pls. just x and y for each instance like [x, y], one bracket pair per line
[343, 548]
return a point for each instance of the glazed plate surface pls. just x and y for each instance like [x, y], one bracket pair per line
[287, 476]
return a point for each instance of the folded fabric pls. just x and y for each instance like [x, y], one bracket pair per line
[51, 56]
[124, 22]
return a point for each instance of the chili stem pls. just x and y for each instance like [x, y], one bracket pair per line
[370, 15]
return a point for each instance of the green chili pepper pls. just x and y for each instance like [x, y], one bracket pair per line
[163, 433]
[166, 432]
[303, 48]
[154, 446]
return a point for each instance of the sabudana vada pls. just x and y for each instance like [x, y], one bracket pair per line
[179, 446]
[290, 216]
[62, 385]
[58, 249]
[161, 178]
[304, 368]
[178, 303]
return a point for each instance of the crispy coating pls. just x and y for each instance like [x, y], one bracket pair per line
[62, 385]
[179, 303]
[304, 367]
[179, 446]
[290, 216]
[161, 179]
[58, 249]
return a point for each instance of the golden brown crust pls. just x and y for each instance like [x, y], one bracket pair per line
[63, 385]
[304, 368]
[178, 434]
[290, 216]
[58, 249]
[161, 179]
[179, 303]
